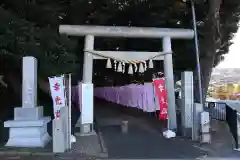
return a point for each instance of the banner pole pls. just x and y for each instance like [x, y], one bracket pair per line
[65, 116]
[70, 108]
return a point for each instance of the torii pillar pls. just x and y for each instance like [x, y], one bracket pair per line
[131, 32]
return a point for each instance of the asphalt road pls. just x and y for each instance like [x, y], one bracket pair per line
[43, 157]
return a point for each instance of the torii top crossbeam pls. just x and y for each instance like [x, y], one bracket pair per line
[130, 32]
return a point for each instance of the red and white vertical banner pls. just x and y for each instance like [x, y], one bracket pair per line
[161, 93]
[58, 95]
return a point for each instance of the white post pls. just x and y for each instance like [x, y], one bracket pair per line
[168, 72]
[87, 78]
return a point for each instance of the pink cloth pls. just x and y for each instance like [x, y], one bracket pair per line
[77, 95]
[139, 96]
[133, 95]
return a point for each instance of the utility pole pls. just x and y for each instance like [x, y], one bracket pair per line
[192, 2]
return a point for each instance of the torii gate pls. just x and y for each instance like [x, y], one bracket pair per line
[129, 32]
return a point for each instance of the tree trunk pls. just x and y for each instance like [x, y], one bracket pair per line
[207, 65]
[44, 86]
[206, 71]
[15, 82]
[208, 46]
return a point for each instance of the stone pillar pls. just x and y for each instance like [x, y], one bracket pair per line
[86, 128]
[168, 72]
[196, 120]
[88, 59]
[29, 127]
[60, 132]
[29, 82]
[187, 103]
[205, 127]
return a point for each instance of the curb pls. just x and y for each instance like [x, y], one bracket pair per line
[23, 153]
[19, 153]
[104, 153]
[104, 149]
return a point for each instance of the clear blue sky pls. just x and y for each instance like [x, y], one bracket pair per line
[232, 59]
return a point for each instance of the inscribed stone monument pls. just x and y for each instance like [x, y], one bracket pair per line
[29, 127]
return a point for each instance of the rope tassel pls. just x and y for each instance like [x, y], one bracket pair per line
[123, 68]
[145, 65]
[136, 67]
[115, 65]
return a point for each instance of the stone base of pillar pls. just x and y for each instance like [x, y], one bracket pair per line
[205, 138]
[86, 130]
[187, 132]
[78, 124]
[28, 133]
